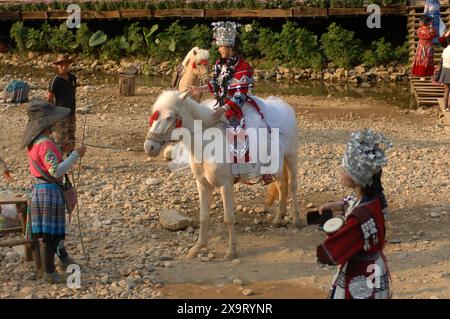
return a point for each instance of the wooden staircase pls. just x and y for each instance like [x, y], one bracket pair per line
[424, 93]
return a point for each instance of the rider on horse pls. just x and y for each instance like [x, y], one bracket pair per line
[232, 81]
[233, 76]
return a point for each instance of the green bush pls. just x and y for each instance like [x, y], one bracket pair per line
[340, 46]
[112, 49]
[200, 36]
[380, 52]
[401, 53]
[134, 39]
[293, 46]
[19, 34]
[249, 35]
[346, 3]
[60, 39]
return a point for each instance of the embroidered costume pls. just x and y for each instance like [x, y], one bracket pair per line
[357, 247]
[423, 62]
[47, 210]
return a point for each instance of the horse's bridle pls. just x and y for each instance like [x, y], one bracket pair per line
[201, 62]
[160, 138]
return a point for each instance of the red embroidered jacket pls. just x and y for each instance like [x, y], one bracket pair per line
[238, 88]
[363, 232]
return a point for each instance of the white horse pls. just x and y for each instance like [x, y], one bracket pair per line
[173, 109]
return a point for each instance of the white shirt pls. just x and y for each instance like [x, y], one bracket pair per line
[446, 57]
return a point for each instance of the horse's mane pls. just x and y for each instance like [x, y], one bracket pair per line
[168, 97]
[171, 97]
[202, 54]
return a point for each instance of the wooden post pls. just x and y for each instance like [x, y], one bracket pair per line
[127, 84]
[22, 211]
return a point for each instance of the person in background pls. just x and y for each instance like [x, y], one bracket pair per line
[47, 209]
[423, 62]
[356, 245]
[444, 74]
[61, 92]
[432, 8]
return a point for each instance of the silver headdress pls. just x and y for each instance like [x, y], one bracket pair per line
[224, 33]
[365, 155]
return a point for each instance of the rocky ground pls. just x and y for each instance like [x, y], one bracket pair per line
[122, 194]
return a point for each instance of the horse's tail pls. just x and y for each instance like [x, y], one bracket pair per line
[272, 191]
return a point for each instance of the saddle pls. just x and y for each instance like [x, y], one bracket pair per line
[243, 167]
[176, 77]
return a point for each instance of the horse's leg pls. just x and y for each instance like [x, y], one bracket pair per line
[291, 162]
[282, 186]
[229, 219]
[204, 192]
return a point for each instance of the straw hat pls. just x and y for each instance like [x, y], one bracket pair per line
[41, 115]
[62, 58]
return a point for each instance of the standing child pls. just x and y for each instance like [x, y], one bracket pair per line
[357, 246]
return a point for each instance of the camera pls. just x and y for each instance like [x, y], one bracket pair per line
[316, 218]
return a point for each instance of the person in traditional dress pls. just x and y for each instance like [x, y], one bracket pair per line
[432, 8]
[423, 62]
[47, 209]
[357, 246]
[4, 169]
[232, 81]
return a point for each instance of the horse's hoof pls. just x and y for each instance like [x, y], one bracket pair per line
[298, 224]
[277, 223]
[231, 255]
[193, 253]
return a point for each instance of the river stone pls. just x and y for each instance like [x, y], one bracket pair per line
[360, 69]
[260, 210]
[151, 181]
[173, 220]
[247, 292]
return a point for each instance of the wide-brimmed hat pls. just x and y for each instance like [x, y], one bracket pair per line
[62, 58]
[41, 115]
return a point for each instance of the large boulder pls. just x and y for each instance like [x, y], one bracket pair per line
[172, 220]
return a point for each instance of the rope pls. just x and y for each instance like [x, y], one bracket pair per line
[86, 255]
[107, 147]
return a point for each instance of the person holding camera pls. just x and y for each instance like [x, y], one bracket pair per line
[355, 238]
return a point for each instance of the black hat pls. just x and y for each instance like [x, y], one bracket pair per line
[41, 115]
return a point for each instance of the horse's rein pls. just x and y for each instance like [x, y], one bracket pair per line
[160, 137]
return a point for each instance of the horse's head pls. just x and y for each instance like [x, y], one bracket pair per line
[166, 116]
[198, 60]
